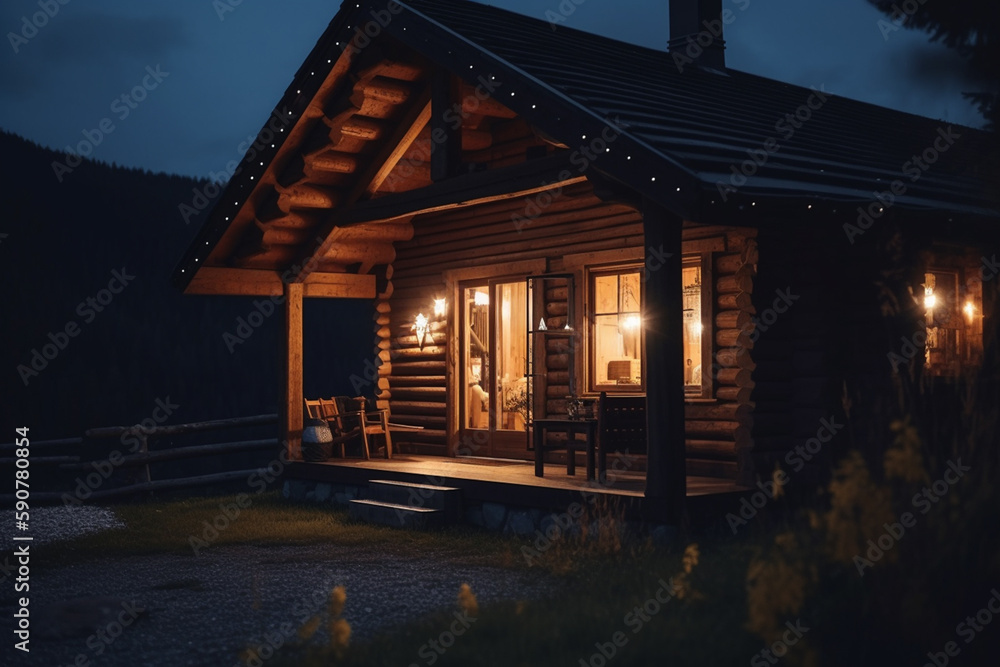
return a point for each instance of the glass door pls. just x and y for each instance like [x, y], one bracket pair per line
[495, 395]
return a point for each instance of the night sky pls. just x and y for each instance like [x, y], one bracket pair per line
[212, 76]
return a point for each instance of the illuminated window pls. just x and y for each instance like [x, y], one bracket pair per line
[953, 307]
[615, 341]
[616, 337]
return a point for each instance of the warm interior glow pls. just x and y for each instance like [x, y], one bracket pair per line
[481, 298]
[632, 322]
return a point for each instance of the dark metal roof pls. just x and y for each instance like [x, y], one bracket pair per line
[706, 121]
[682, 136]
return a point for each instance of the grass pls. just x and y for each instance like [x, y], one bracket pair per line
[735, 596]
[599, 601]
[601, 581]
[182, 526]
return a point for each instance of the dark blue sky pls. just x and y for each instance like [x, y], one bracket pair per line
[219, 74]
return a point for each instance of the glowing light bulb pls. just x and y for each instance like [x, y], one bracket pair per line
[929, 299]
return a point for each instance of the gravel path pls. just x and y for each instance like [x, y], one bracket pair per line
[205, 610]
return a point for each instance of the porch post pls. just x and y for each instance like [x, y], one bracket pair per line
[666, 481]
[291, 372]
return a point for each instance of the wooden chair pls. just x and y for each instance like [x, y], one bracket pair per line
[348, 419]
[354, 417]
[621, 427]
[326, 410]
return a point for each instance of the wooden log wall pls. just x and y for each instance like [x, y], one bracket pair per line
[413, 381]
[496, 233]
[718, 432]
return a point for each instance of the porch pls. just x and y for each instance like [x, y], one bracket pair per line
[510, 483]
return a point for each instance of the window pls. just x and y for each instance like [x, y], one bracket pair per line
[616, 337]
[953, 310]
[615, 341]
[695, 342]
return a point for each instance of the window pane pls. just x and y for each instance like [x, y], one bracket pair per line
[511, 355]
[953, 310]
[691, 285]
[617, 335]
[477, 337]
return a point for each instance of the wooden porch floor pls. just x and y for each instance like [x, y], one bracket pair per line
[511, 481]
[523, 473]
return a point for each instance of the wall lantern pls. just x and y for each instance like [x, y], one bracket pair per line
[439, 307]
[970, 311]
[420, 328]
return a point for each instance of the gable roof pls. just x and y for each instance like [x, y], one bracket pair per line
[698, 141]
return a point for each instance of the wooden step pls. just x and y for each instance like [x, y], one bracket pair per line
[427, 496]
[397, 516]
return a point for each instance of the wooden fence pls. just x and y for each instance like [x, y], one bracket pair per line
[142, 458]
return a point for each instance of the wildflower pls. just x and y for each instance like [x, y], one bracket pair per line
[778, 478]
[340, 635]
[904, 459]
[309, 628]
[691, 555]
[338, 596]
[467, 600]
[859, 508]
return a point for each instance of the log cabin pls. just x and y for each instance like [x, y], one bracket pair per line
[539, 215]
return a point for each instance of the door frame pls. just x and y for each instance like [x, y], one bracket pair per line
[460, 441]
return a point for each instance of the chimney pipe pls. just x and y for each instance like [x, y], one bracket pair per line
[701, 21]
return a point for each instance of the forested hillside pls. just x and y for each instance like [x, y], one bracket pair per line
[93, 333]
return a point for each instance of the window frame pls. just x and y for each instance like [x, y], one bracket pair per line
[592, 273]
[703, 260]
